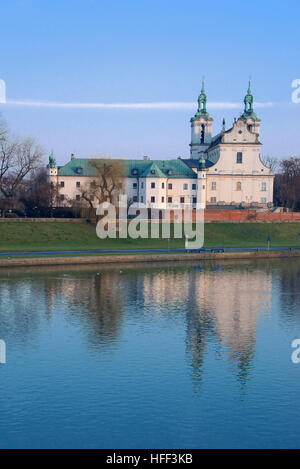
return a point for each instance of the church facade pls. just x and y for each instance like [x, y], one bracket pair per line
[223, 170]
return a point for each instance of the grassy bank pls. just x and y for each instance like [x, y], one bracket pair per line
[38, 236]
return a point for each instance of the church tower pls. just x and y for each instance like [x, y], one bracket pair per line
[201, 127]
[253, 122]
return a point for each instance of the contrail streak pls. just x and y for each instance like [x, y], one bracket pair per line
[153, 105]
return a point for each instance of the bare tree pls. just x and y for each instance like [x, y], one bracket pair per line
[108, 183]
[287, 183]
[38, 195]
[271, 162]
[18, 157]
[3, 129]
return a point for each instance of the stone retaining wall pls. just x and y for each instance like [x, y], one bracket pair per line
[178, 257]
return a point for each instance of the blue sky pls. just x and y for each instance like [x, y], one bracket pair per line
[128, 52]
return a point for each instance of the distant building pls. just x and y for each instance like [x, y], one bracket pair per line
[224, 170]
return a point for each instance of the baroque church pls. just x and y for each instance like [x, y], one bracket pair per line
[224, 170]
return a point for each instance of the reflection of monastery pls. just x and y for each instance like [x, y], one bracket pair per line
[227, 302]
[218, 304]
[214, 300]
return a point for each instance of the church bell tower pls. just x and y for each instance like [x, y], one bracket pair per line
[201, 127]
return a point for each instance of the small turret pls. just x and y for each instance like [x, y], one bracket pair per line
[52, 168]
[202, 166]
[52, 161]
[223, 125]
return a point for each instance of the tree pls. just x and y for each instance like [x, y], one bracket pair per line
[271, 162]
[287, 183]
[18, 158]
[38, 195]
[108, 183]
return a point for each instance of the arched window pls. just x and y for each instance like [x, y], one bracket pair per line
[238, 186]
[202, 133]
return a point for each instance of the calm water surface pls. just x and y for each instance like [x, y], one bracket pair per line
[184, 356]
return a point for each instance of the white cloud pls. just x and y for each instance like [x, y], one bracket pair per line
[154, 105]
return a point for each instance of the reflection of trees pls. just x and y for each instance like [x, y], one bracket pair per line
[220, 304]
[289, 278]
[95, 300]
[20, 317]
[91, 298]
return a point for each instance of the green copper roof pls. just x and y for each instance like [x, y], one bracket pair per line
[201, 111]
[153, 171]
[133, 168]
[248, 101]
[52, 161]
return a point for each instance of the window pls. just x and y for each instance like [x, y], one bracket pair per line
[194, 187]
[78, 184]
[142, 199]
[194, 200]
[170, 185]
[238, 186]
[162, 199]
[134, 198]
[134, 171]
[213, 186]
[182, 200]
[263, 186]
[169, 200]
[239, 157]
[79, 170]
[134, 185]
[263, 200]
[142, 185]
[213, 199]
[62, 183]
[152, 185]
[202, 133]
[162, 185]
[77, 197]
[185, 187]
[62, 197]
[152, 171]
[152, 199]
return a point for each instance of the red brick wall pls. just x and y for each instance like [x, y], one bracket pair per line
[247, 216]
[250, 216]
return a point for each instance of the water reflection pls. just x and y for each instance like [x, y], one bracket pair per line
[219, 305]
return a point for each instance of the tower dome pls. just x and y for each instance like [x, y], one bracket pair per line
[52, 161]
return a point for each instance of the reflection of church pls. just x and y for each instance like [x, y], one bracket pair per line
[216, 302]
